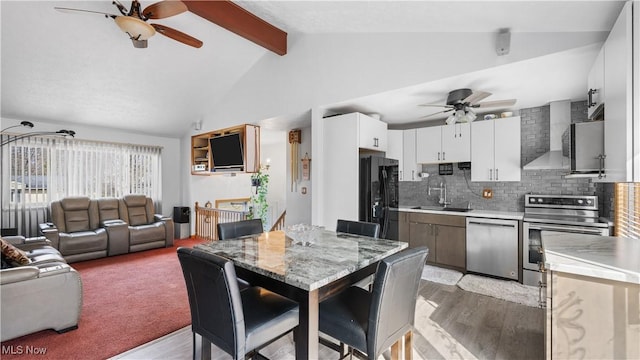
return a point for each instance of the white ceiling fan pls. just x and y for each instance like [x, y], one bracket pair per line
[463, 102]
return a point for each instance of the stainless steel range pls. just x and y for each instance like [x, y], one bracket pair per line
[559, 213]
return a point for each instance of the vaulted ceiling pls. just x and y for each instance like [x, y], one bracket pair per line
[66, 68]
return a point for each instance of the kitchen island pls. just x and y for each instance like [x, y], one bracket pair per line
[592, 297]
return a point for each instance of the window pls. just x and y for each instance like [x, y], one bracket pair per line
[627, 210]
[41, 170]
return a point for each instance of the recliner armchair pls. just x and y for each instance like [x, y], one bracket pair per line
[75, 229]
[146, 229]
[45, 294]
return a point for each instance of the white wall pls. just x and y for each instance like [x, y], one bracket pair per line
[276, 151]
[171, 156]
[299, 204]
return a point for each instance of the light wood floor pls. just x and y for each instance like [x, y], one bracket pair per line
[450, 324]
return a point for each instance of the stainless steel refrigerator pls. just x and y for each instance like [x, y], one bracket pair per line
[379, 192]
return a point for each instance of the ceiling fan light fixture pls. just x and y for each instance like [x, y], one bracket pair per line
[135, 28]
[451, 119]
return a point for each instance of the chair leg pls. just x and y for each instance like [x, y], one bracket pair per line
[408, 345]
[205, 349]
[193, 344]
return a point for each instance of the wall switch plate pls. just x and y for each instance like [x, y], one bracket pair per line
[487, 193]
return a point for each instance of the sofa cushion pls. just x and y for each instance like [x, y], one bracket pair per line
[77, 220]
[146, 233]
[12, 254]
[108, 209]
[137, 216]
[83, 242]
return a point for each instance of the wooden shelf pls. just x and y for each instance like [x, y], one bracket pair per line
[201, 154]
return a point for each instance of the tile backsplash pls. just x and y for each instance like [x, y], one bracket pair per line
[509, 196]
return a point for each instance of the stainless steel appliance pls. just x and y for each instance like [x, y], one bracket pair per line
[379, 192]
[587, 148]
[492, 247]
[560, 213]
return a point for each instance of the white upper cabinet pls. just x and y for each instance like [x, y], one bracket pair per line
[409, 165]
[456, 142]
[372, 133]
[495, 149]
[595, 84]
[443, 144]
[618, 110]
[394, 149]
[429, 145]
[402, 146]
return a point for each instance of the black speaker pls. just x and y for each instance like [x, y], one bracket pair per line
[181, 214]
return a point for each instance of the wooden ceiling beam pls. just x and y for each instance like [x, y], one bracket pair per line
[238, 20]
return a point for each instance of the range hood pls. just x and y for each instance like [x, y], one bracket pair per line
[560, 119]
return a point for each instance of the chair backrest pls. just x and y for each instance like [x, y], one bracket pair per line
[393, 298]
[108, 209]
[230, 230]
[358, 228]
[75, 214]
[136, 210]
[214, 299]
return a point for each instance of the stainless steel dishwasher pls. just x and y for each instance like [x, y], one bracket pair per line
[492, 247]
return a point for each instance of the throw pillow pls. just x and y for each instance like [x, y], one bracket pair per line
[13, 255]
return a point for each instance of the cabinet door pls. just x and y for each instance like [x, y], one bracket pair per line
[450, 246]
[372, 133]
[595, 81]
[409, 164]
[395, 150]
[507, 149]
[422, 234]
[482, 150]
[429, 145]
[403, 227]
[456, 143]
[618, 131]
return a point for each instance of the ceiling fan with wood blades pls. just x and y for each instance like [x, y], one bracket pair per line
[462, 103]
[133, 21]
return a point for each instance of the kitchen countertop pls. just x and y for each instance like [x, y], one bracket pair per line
[509, 215]
[606, 257]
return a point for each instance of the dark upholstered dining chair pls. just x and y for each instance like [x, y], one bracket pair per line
[371, 322]
[358, 228]
[230, 230]
[239, 323]
[234, 229]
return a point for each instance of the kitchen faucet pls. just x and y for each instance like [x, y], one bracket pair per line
[443, 193]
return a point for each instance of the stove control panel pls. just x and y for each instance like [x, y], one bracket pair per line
[562, 201]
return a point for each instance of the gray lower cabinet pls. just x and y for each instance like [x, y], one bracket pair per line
[444, 235]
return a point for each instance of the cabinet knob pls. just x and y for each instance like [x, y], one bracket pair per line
[375, 142]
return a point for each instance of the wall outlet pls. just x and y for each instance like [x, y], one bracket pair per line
[487, 193]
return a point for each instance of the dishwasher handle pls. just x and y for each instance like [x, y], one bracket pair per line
[490, 224]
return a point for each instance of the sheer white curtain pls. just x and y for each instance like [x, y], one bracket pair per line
[36, 171]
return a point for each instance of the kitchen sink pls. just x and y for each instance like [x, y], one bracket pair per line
[455, 209]
[441, 208]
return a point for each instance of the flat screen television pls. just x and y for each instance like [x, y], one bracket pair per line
[227, 152]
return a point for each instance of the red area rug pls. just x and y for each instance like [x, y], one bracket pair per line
[128, 300]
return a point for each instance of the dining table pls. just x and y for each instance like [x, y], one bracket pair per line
[306, 271]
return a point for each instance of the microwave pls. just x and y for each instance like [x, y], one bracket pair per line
[586, 150]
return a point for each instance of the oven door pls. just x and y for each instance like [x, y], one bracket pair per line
[532, 244]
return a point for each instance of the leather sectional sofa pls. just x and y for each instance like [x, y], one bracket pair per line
[82, 228]
[45, 293]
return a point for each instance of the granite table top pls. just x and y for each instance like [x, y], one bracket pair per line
[329, 257]
[606, 257]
